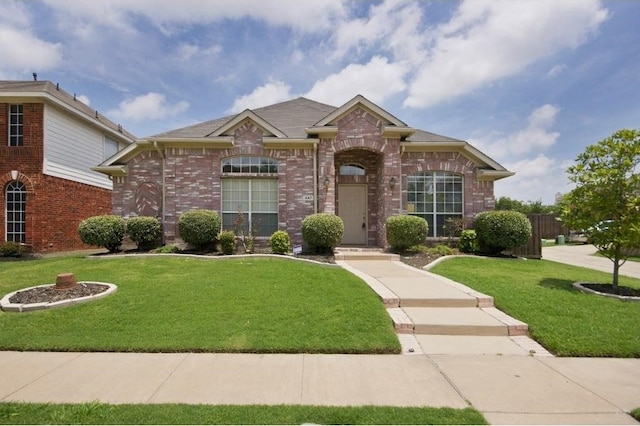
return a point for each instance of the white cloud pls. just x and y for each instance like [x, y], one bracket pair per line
[84, 99]
[537, 178]
[270, 93]
[487, 40]
[556, 71]
[22, 51]
[393, 25]
[152, 106]
[535, 137]
[376, 80]
[305, 16]
[188, 51]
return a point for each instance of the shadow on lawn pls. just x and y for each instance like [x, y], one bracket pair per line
[558, 284]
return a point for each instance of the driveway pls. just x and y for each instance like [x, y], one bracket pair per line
[583, 255]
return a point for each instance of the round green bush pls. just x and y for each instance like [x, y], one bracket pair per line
[104, 231]
[199, 228]
[11, 249]
[322, 232]
[468, 242]
[145, 231]
[279, 242]
[500, 230]
[404, 231]
[227, 242]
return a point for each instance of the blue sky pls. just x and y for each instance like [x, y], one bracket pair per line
[529, 82]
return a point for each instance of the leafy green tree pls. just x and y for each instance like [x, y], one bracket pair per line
[606, 200]
[506, 203]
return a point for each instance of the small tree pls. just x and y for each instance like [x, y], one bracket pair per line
[606, 200]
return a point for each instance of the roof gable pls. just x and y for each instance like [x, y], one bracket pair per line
[360, 101]
[227, 128]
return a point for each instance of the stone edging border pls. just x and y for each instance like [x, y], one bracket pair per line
[7, 306]
[579, 286]
[200, 256]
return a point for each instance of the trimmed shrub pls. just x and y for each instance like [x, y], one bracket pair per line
[440, 250]
[199, 228]
[468, 242]
[404, 231]
[145, 231]
[104, 231]
[166, 250]
[11, 249]
[322, 232]
[279, 242]
[227, 242]
[499, 230]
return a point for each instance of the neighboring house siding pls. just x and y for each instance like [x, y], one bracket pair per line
[54, 206]
[71, 148]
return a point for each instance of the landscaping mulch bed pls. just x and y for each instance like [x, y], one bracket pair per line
[608, 289]
[49, 294]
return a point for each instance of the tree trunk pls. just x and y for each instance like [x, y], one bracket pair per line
[616, 269]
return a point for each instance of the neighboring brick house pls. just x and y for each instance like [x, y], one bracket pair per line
[280, 163]
[49, 141]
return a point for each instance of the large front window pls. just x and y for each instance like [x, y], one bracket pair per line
[16, 212]
[436, 197]
[15, 125]
[250, 187]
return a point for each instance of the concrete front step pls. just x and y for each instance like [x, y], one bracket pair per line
[365, 255]
[456, 322]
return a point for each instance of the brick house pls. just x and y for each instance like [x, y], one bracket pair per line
[280, 163]
[48, 142]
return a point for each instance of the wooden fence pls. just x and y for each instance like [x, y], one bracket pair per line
[542, 226]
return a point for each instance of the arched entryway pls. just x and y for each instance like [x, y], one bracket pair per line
[358, 195]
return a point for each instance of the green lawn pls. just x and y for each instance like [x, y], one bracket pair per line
[95, 413]
[564, 320]
[178, 304]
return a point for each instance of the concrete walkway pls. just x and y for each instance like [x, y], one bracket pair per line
[443, 367]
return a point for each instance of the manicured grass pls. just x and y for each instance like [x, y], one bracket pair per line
[95, 413]
[178, 304]
[564, 320]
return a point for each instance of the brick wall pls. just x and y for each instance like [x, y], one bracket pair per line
[478, 195]
[55, 206]
[192, 176]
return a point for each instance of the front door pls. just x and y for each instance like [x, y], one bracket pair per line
[352, 205]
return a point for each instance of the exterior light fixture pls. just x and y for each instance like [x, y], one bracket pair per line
[392, 182]
[326, 182]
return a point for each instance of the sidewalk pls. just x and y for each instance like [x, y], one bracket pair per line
[495, 374]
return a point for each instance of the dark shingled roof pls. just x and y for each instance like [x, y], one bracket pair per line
[65, 97]
[290, 117]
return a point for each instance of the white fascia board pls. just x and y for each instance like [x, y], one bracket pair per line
[87, 177]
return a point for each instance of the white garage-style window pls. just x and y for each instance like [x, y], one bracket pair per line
[436, 197]
[16, 212]
[250, 186]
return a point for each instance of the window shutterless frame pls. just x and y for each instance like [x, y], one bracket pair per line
[15, 125]
[15, 212]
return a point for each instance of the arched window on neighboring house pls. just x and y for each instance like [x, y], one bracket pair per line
[15, 212]
[436, 197]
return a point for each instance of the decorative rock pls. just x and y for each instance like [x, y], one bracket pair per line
[66, 281]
